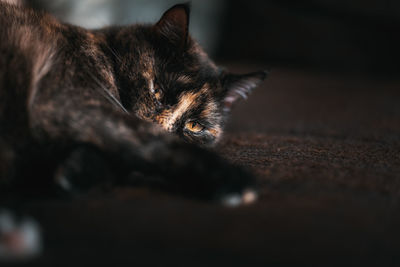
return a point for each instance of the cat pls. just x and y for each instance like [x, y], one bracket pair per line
[138, 104]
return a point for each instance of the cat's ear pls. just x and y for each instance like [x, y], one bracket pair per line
[174, 25]
[236, 86]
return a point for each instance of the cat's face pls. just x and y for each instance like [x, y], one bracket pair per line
[166, 78]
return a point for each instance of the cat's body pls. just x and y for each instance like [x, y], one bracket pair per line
[79, 105]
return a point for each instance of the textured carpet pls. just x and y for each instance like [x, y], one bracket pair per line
[326, 151]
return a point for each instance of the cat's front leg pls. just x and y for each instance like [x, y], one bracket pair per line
[168, 164]
[195, 172]
[83, 168]
[135, 145]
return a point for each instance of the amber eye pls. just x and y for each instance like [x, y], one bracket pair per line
[194, 127]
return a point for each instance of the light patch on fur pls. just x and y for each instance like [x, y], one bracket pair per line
[151, 86]
[187, 100]
[40, 69]
[148, 66]
[148, 73]
[216, 132]
[42, 54]
[162, 118]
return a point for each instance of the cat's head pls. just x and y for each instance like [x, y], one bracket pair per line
[165, 77]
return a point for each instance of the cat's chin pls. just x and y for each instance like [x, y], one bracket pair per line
[247, 197]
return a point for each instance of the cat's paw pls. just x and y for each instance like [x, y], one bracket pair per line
[211, 177]
[83, 169]
[198, 173]
[237, 186]
[247, 197]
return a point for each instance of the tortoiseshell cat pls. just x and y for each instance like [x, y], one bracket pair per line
[81, 106]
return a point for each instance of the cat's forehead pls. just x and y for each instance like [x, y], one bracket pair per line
[180, 77]
[189, 79]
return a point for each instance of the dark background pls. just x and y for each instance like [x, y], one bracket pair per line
[332, 35]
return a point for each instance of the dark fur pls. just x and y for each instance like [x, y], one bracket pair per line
[74, 100]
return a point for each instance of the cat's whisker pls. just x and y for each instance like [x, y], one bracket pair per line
[115, 53]
[107, 94]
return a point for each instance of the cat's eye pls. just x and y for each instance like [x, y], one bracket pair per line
[194, 127]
